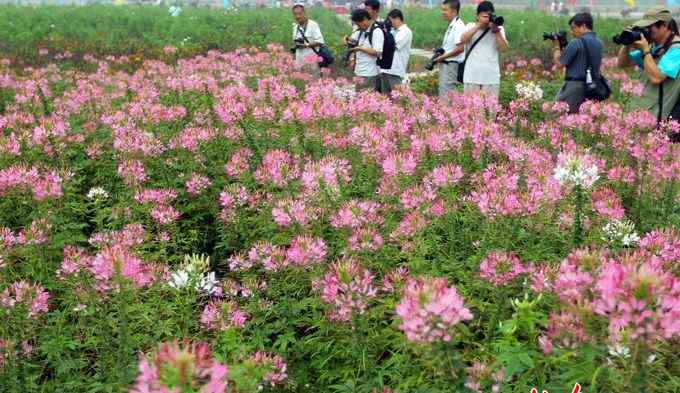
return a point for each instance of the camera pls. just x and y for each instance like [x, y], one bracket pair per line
[430, 64]
[496, 20]
[628, 36]
[351, 43]
[296, 43]
[560, 37]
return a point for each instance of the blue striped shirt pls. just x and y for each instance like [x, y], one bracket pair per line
[574, 56]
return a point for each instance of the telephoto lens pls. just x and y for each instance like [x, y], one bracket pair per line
[627, 37]
[560, 37]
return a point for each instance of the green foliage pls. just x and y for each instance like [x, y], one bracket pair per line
[143, 31]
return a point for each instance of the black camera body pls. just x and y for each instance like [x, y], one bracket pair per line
[351, 44]
[296, 43]
[560, 37]
[496, 20]
[430, 63]
[629, 36]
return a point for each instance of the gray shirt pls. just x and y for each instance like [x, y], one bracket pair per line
[574, 56]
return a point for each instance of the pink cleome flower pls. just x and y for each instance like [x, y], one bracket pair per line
[181, 365]
[430, 309]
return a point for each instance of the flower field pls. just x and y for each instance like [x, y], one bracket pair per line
[224, 223]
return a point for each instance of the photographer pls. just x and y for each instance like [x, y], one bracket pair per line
[402, 37]
[306, 37]
[452, 47]
[586, 50]
[660, 62]
[367, 51]
[482, 67]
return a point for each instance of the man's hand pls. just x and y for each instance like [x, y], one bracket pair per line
[439, 59]
[642, 44]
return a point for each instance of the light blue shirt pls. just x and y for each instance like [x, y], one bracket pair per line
[669, 64]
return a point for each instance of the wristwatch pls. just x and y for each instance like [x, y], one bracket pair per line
[646, 53]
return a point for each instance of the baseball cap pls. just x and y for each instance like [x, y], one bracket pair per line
[655, 14]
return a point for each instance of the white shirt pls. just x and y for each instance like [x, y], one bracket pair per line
[452, 38]
[313, 34]
[403, 38]
[367, 65]
[483, 64]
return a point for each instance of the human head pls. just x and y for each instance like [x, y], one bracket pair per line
[396, 17]
[450, 9]
[484, 10]
[659, 21]
[299, 13]
[361, 18]
[580, 24]
[373, 8]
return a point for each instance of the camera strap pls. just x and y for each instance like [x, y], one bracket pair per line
[475, 44]
[588, 65]
[302, 33]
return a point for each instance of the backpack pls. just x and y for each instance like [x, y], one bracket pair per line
[389, 46]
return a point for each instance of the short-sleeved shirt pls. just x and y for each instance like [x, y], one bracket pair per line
[312, 33]
[366, 65]
[574, 56]
[402, 38]
[669, 64]
[483, 64]
[452, 39]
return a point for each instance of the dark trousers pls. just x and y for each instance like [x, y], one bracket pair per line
[573, 93]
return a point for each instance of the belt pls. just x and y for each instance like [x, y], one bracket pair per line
[449, 62]
[569, 79]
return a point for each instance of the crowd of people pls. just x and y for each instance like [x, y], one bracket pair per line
[469, 57]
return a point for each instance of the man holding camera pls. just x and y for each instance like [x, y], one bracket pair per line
[367, 51]
[402, 37]
[452, 48]
[580, 54]
[484, 40]
[307, 38]
[660, 62]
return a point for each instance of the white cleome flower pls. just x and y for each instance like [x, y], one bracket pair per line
[208, 284]
[576, 170]
[529, 90]
[620, 232]
[97, 193]
[619, 351]
[179, 279]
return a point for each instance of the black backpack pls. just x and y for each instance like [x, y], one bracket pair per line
[389, 46]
